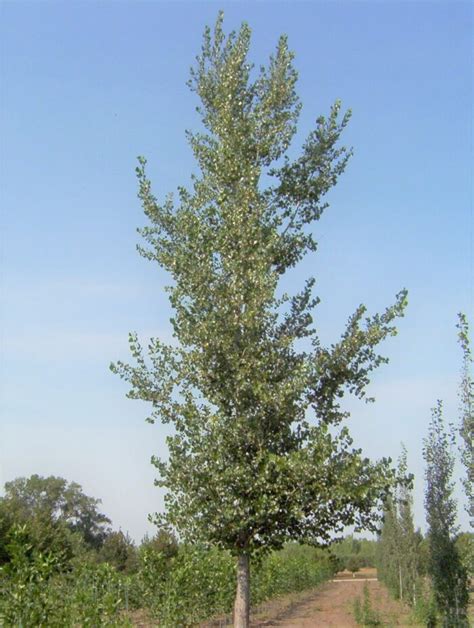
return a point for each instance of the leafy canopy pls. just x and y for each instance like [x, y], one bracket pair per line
[253, 460]
[52, 507]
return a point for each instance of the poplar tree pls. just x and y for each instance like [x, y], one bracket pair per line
[397, 546]
[254, 459]
[388, 548]
[409, 539]
[466, 395]
[448, 576]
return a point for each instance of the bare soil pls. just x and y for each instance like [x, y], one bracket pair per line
[330, 605]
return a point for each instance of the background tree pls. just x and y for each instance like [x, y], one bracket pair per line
[398, 546]
[119, 551]
[58, 516]
[353, 564]
[163, 542]
[466, 395]
[388, 555]
[254, 460]
[362, 549]
[447, 573]
[409, 571]
[465, 549]
[6, 523]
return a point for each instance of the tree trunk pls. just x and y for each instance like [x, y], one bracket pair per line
[242, 597]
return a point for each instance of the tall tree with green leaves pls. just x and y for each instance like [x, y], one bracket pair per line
[409, 539]
[254, 460]
[397, 542]
[466, 395]
[388, 548]
[58, 514]
[448, 576]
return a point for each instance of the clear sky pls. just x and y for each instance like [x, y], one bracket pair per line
[87, 86]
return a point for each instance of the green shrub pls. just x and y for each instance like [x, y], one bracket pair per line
[197, 583]
[188, 587]
[353, 564]
[357, 609]
[29, 594]
[424, 608]
[35, 591]
[364, 614]
[294, 568]
[180, 588]
[96, 596]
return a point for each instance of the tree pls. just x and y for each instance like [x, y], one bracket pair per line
[447, 573]
[6, 524]
[254, 460]
[388, 548]
[55, 512]
[465, 549]
[466, 394]
[409, 539]
[119, 550]
[163, 542]
[350, 547]
[353, 564]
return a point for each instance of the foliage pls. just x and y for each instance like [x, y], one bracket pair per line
[424, 610]
[163, 541]
[388, 558]
[26, 597]
[6, 525]
[353, 564]
[248, 468]
[180, 584]
[398, 552]
[363, 550]
[409, 539]
[180, 588]
[198, 583]
[96, 597]
[448, 576]
[119, 551]
[36, 591]
[60, 518]
[465, 549]
[364, 614]
[466, 395]
[294, 568]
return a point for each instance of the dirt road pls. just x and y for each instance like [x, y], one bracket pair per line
[332, 606]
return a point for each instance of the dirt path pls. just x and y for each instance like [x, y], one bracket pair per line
[332, 606]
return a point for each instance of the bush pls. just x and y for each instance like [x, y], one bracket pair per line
[27, 597]
[295, 568]
[188, 587]
[180, 585]
[96, 596]
[353, 564]
[364, 614]
[36, 592]
[424, 608]
[197, 583]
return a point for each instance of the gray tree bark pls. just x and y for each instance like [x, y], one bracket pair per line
[242, 597]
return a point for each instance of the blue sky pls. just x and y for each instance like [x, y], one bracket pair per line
[87, 86]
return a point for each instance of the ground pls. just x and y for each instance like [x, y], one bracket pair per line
[332, 605]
